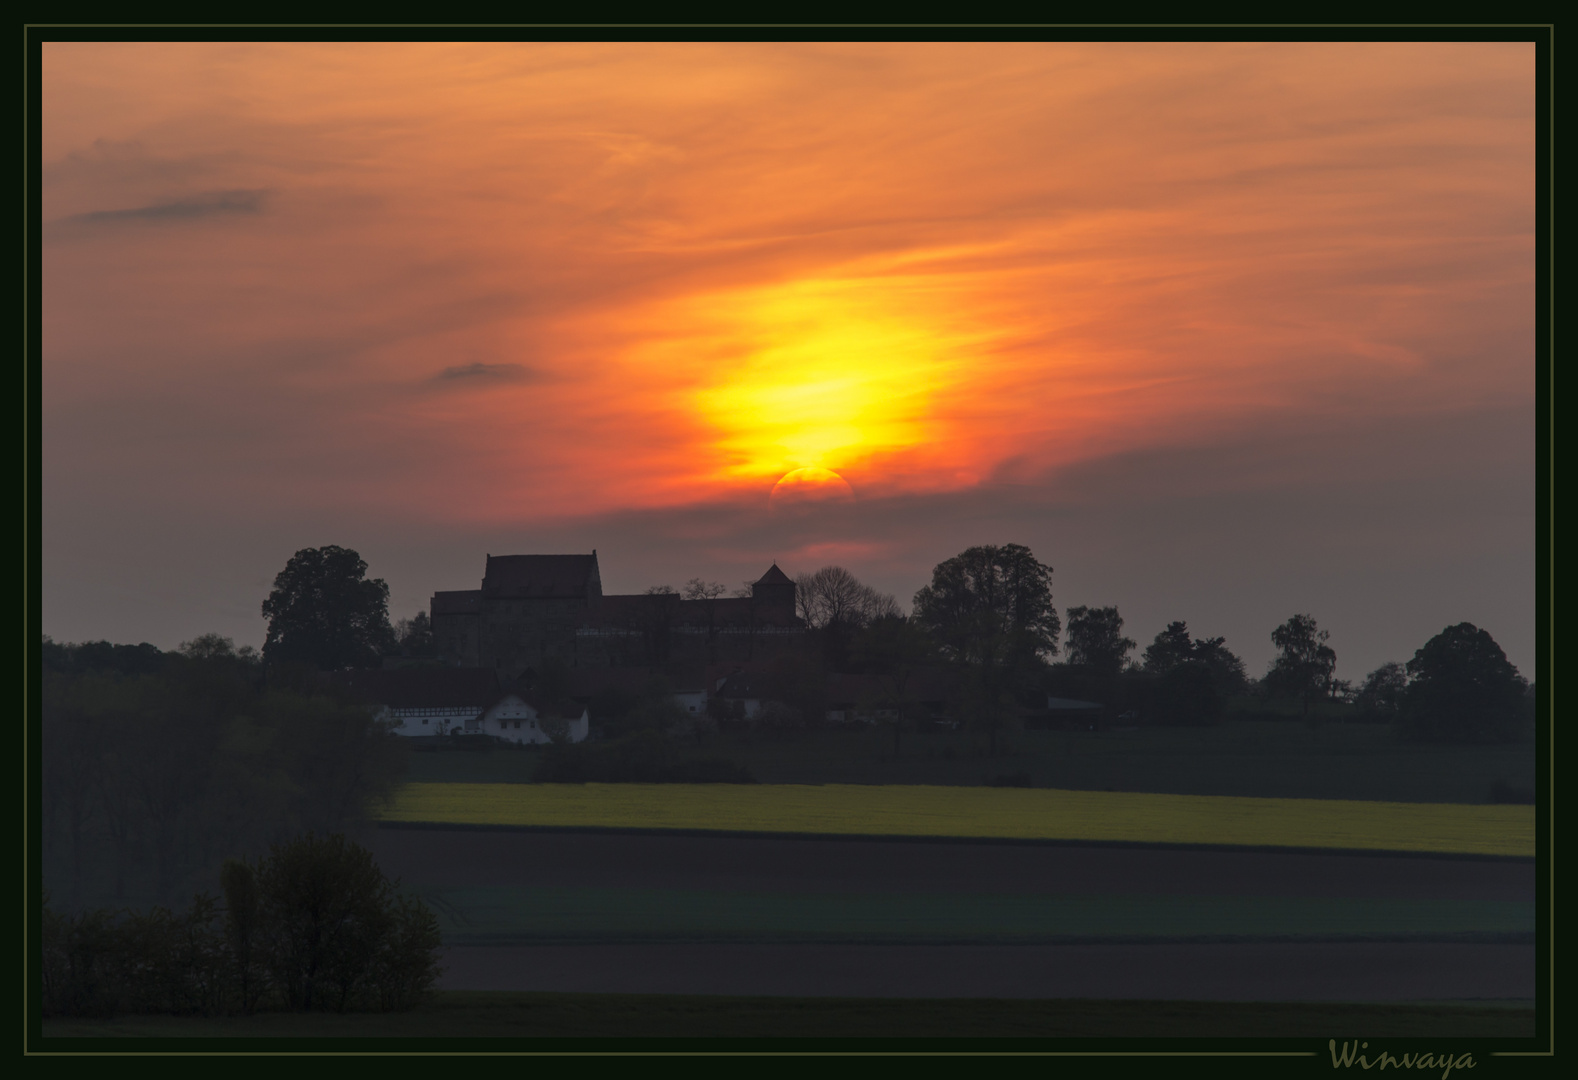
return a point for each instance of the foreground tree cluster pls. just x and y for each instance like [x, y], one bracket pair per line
[313, 925]
[157, 766]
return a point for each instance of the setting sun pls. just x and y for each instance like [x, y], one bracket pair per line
[827, 374]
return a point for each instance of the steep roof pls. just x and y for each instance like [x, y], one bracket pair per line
[423, 688]
[775, 576]
[566, 576]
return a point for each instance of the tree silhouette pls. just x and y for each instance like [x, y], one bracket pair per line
[1096, 641]
[990, 610]
[324, 612]
[1304, 668]
[1462, 688]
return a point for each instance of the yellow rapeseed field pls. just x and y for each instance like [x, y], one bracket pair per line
[1005, 813]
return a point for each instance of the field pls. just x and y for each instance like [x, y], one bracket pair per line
[458, 1015]
[978, 813]
[1260, 758]
[506, 915]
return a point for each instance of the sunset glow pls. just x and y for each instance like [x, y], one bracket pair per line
[504, 288]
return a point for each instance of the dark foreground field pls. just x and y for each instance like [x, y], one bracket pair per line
[546, 1017]
[632, 913]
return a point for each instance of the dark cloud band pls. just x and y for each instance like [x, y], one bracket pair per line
[207, 204]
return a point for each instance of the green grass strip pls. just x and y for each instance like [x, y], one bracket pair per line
[980, 812]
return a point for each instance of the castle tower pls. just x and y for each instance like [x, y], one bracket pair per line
[775, 590]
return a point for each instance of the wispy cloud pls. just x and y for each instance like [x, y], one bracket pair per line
[479, 373]
[206, 204]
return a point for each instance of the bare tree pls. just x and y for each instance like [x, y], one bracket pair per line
[835, 597]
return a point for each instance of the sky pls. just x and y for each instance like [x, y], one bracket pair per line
[1221, 332]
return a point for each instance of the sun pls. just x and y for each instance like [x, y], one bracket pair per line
[822, 373]
[811, 486]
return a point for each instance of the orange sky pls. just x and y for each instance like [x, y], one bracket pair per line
[498, 285]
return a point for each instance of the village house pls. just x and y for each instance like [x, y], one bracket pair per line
[420, 702]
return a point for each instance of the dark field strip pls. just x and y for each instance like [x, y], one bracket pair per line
[549, 1021]
[445, 858]
[504, 915]
[1370, 971]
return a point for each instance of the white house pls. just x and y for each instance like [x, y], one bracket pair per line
[441, 701]
[516, 718]
[747, 689]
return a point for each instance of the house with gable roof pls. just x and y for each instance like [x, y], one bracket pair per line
[470, 701]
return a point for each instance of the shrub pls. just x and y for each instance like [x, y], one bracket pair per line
[313, 925]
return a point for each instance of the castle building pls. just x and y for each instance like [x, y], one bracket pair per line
[533, 608]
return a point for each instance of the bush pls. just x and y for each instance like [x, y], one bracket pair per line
[313, 925]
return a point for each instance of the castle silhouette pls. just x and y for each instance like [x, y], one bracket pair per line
[535, 608]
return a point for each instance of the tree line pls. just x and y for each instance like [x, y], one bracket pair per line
[157, 766]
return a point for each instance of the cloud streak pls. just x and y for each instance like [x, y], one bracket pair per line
[190, 208]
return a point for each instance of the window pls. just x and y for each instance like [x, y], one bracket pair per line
[424, 720]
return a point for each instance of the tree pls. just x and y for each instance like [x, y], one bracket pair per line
[895, 648]
[1381, 693]
[1096, 641]
[315, 924]
[1304, 668]
[1170, 648]
[415, 635]
[325, 904]
[990, 611]
[242, 930]
[835, 605]
[208, 647]
[1227, 670]
[1174, 646]
[1462, 688]
[324, 612]
[833, 596]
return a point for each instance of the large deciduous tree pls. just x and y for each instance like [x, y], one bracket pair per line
[1096, 641]
[326, 613]
[1462, 688]
[990, 610]
[1305, 663]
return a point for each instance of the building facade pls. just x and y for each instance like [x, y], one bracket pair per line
[535, 609]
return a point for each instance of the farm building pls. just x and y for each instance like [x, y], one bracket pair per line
[420, 702]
